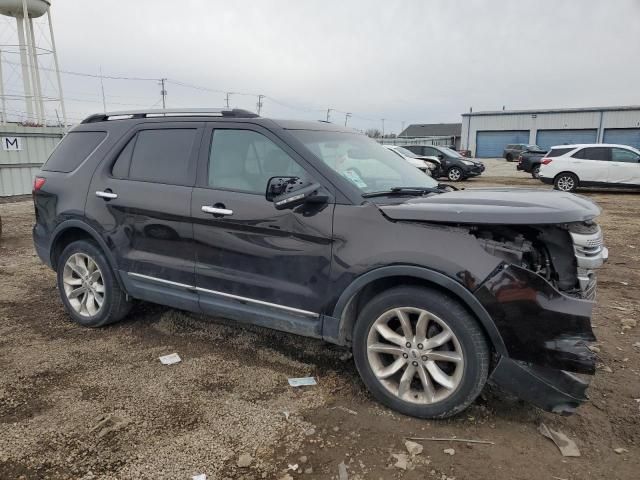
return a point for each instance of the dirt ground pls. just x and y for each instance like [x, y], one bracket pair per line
[80, 403]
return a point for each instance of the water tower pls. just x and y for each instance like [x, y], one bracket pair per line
[33, 103]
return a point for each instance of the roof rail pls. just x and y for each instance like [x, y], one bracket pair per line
[170, 112]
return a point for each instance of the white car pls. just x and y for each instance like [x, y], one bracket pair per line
[568, 167]
[426, 164]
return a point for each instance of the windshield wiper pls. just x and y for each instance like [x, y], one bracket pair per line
[403, 191]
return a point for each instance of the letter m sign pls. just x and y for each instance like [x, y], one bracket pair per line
[12, 143]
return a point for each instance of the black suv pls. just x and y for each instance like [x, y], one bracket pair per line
[453, 165]
[313, 229]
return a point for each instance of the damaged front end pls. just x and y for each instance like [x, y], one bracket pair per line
[541, 300]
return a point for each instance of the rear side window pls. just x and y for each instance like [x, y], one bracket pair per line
[556, 152]
[623, 155]
[159, 156]
[592, 153]
[72, 150]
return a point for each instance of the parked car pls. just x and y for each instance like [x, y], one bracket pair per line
[569, 167]
[452, 165]
[314, 229]
[529, 160]
[512, 151]
[426, 164]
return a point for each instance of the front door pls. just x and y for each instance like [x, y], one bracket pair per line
[624, 167]
[249, 253]
[141, 201]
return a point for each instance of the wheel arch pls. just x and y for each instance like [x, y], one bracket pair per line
[72, 230]
[555, 177]
[368, 285]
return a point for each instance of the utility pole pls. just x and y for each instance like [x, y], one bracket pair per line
[163, 92]
[402, 128]
[260, 97]
[104, 100]
[383, 128]
[328, 112]
[227, 98]
[347, 116]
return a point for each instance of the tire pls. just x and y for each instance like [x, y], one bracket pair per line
[535, 171]
[466, 376]
[82, 265]
[509, 157]
[455, 174]
[566, 182]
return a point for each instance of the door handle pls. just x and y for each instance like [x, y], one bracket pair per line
[106, 195]
[225, 212]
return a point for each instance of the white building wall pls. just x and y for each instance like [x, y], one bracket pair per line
[534, 121]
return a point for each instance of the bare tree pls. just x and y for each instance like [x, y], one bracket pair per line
[373, 133]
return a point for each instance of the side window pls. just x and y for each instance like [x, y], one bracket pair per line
[162, 156]
[244, 160]
[556, 152]
[72, 150]
[593, 153]
[624, 155]
[431, 152]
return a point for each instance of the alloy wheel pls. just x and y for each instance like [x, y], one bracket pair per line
[83, 284]
[566, 183]
[455, 174]
[415, 355]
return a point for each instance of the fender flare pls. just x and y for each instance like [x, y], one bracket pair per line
[437, 278]
[74, 223]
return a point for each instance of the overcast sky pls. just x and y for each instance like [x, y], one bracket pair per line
[413, 61]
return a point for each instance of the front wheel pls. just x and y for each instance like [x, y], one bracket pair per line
[88, 287]
[420, 352]
[509, 157]
[455, 174]
[566, 182]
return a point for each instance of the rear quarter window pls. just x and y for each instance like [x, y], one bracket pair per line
[556, 152]
[72, 150]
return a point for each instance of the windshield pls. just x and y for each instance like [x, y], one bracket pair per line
[450, 153]
[405, 153]
[365, 163]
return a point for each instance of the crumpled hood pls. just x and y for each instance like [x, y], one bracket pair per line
[496, 206]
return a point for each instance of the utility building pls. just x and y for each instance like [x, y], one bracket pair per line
[487, 133]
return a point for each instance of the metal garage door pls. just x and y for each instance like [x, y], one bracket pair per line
[491, 144]
[550, 138]
[623, 136]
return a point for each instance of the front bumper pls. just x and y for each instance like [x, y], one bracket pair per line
[556, 391]
[474, 171]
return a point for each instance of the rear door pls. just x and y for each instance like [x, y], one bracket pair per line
[247, 251]
[624, 167]
[591, 164]
[141, 199]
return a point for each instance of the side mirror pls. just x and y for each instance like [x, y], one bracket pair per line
[441, 156]
[288, 192]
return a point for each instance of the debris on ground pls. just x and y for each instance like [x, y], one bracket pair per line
[628, 323]
[594, 349]
[449, 451]
[170, 359]
[567, 447]
[620, 450]
[308, 470]
[402, 461]
[303, 459]
[302, 382]
[105, 424]
[286, 476]
[345, 409]
[200, 476]
[453, 439]
[244, 460]
[413, 448]
[342, 471]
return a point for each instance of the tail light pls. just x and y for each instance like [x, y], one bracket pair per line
[38, 182]
[546, 161]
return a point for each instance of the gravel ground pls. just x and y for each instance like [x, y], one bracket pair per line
[79, 403]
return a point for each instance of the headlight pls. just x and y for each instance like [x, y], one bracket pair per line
[467, 162]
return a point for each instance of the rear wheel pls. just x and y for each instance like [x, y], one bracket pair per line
[566, 182]
[88, 288]
[535, 171]
[420, 352]
[509, 157]
[455, 174]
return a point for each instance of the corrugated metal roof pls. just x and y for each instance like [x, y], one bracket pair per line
[553, 110]
[432, 130]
